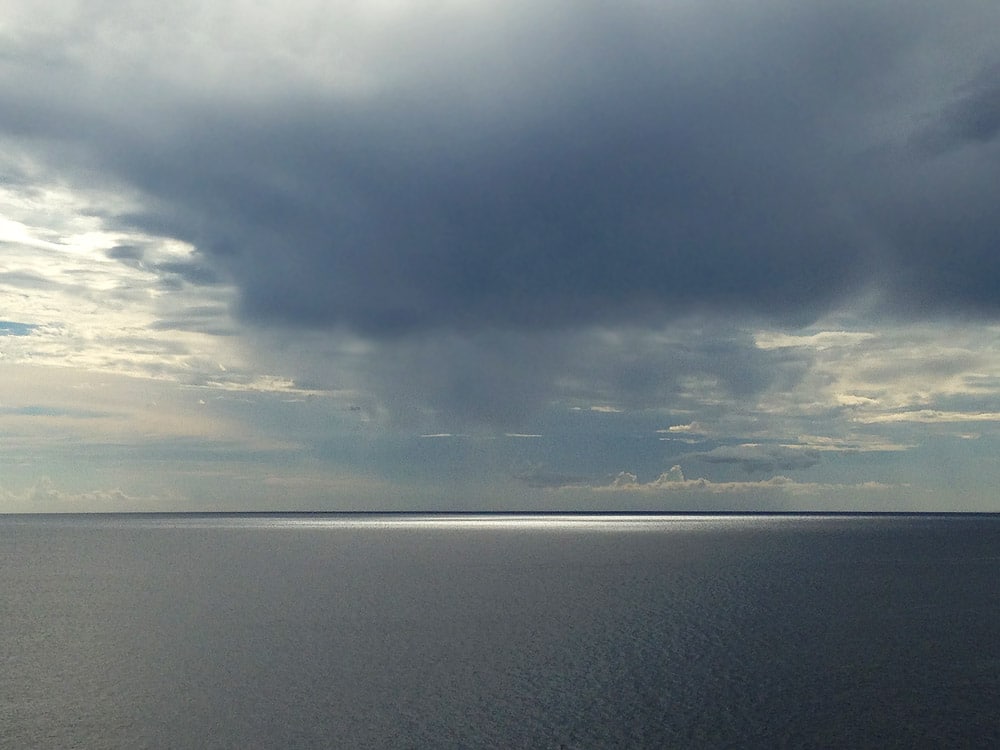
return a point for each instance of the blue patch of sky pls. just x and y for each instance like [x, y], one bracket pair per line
[11, 328]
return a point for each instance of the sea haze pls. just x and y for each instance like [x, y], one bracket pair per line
[236, 631]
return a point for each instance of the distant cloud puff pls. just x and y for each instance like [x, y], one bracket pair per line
[692, 428]
[673, 482]
[45, 497]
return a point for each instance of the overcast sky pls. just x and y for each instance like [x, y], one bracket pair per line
[466, 254]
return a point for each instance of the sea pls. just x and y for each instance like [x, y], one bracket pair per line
[499, 631]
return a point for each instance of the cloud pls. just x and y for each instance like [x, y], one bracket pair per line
[193, 273]
[673, 481]
[629, 483]
[45, 497]
[972, 118]
[691, 427]
[819, 341]
[752, 457]
[872, 374]
[929, 416]
[691, 433]
[502, 380]
[438, 383]
[468, 167]
[850, 443]
[476, 216]
[126, 253]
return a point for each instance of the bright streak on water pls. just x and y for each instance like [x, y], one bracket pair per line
[445, 521]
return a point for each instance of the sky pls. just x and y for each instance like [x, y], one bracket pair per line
[481, 255]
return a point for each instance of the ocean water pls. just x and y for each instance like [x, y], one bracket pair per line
[486, 632]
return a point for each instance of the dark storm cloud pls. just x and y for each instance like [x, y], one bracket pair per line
[586, 216]
[563, 164]
[972, 118]
[505, 200]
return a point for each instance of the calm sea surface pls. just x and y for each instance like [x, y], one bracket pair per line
[313, 631]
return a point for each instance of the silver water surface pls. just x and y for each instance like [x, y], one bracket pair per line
[302, 631]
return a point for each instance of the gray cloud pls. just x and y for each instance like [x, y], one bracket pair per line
[523, 166]
[973, 118]
[192, 273]
[131, 253]
[210, 319]
[508, 202]
[497, 380]
[761, 458]
[501, 379]
[26, 280]
[172, 274]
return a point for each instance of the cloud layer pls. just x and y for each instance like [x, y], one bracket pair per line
[738, 237]
[472, 165]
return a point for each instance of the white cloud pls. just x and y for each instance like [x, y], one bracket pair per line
[692, 428]
[851, 399]
[820, 340]
[904, 373]
[44, 497]
[672, 476]
[850, 443]
[624, 480]
[673, 481]
[929, 416]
